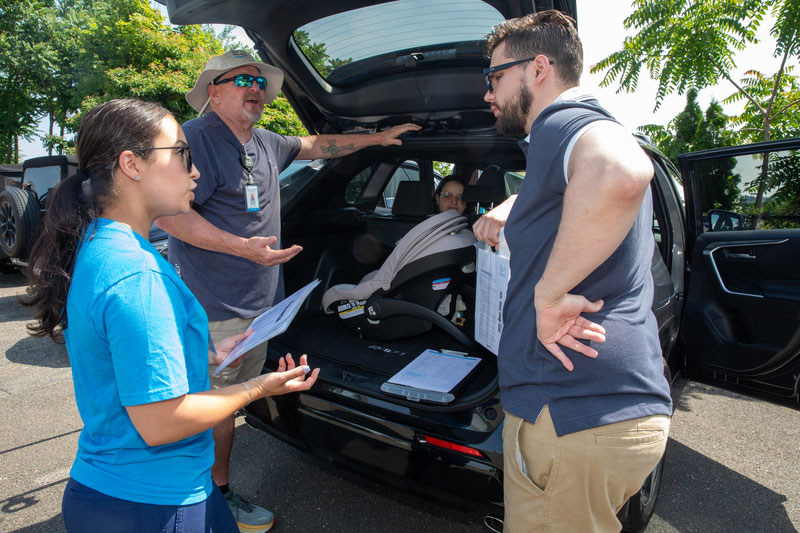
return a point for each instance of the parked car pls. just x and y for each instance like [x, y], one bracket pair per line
[726, 302]
[10, 175]
[23, 202]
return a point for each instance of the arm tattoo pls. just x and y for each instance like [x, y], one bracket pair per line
[334, 150]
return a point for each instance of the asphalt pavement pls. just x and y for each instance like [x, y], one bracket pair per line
[732, 461]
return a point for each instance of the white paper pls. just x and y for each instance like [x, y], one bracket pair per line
[435, 371]
[270, 323]
[492, 282]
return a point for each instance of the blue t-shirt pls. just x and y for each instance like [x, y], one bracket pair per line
[135, 335]
[226, 285]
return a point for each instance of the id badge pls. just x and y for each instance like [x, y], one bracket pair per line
[251, 197]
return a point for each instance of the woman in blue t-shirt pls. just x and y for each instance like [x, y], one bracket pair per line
[137, 338]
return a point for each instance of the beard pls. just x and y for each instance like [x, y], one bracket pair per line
[512, 118]
[254, 116]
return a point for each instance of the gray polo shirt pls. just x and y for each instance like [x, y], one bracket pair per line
[228, 286]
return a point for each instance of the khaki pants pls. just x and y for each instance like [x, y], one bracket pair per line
[252, 360]
[577, 482]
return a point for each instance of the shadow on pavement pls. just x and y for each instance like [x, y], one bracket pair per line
[38, 352]
[11, 277]
[699, 494]
[307, 493]
[48, 526]
[681, 398]
[11, 310]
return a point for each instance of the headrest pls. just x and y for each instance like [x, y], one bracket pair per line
[413, 199]
[490, 188]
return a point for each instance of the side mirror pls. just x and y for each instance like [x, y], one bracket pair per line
[722, 220]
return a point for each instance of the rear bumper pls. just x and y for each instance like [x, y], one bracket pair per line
[390, 452]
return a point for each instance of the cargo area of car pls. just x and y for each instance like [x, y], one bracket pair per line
[345, 246]
[363, 365]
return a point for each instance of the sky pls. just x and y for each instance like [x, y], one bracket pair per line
[600, 26]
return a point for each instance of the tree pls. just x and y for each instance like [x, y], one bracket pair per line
[317, 54]
[131, 51]
[690, 131]
[281, 118]
[687, 44]
[25, 59]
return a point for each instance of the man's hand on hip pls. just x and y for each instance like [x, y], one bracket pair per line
[560, 322]
[258, 250]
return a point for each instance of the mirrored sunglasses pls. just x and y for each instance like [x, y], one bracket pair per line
[244, 80]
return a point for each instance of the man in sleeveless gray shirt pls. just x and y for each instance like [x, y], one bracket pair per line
[581, 374]
[223, 248]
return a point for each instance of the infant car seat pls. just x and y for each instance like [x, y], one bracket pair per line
[428, 267]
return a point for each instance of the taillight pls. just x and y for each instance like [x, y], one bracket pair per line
[433, 441]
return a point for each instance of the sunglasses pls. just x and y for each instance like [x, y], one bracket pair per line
[244, 80]
[488, 73]
[184, 151]
[448, 195]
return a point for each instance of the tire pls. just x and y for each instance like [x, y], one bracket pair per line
[642, 504]
[19, 218]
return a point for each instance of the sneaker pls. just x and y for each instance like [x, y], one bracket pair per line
[250, 518]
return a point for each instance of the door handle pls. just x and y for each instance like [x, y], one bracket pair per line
[749, 255]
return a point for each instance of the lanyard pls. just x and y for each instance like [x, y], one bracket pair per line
[247, 163]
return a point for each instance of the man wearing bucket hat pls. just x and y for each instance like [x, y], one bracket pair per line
[227, 249]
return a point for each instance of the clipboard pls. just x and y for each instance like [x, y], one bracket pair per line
[432, 376]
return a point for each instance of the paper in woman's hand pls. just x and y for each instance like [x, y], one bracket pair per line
[270, 323]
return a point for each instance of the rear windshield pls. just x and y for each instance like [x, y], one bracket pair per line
[371, 31]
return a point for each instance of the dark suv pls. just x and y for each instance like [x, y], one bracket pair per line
[23, 201]
[727, 302]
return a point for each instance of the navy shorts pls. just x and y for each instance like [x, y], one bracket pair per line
[86, 510]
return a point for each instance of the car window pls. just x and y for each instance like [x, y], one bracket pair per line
[42, 179]
[747, 192]
[296, 175]
[408, 171]
[356, 185]
[360, 34]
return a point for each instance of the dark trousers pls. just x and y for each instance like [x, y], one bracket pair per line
[85, 510]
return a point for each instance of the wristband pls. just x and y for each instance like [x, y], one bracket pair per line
[249, 394]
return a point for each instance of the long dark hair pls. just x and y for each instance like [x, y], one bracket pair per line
[106, 131]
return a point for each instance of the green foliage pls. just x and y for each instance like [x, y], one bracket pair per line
[60, 58]
[690, 131]
[683, 43]
[443, 168]
[692, 44]
[783, 113]
[316, 53]
[281, 118]
[131, 51]
[25, 60]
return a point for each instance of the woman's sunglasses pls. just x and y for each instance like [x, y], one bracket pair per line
[244, 80]
[184, 151]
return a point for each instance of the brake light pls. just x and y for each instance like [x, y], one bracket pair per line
[433, 441]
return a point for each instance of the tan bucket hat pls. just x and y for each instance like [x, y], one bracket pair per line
[232, 59]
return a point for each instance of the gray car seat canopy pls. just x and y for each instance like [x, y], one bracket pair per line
[439, 233]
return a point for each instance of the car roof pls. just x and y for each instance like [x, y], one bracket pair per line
[392, 78]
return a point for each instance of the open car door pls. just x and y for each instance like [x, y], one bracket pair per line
[741, 321]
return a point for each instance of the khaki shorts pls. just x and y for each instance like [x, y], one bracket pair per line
[577, 482]
[252, 361]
